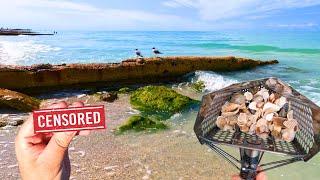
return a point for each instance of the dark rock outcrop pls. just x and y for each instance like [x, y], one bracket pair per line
[109, 96]
[18, 100]
[130, 71]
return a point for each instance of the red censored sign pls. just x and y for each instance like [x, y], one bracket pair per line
[69, 119]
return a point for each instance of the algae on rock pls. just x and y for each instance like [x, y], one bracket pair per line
[140, 123]
[18, 100]
[198, 86]
[158, 99]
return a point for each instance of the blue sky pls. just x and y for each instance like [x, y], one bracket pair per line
[160, 14]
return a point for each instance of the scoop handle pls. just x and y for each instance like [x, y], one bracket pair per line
[249, 163]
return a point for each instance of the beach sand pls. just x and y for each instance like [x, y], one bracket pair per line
[171, 154]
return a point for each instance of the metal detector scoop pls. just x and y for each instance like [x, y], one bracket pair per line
[305, 145]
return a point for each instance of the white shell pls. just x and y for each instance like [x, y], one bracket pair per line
[290, 115]
[281, 101]
[269, 116]
[270, 107]
[253, 106]
[288, 135]
[248, 95]
[242, 119]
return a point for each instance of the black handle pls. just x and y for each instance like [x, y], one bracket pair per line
[249, 163]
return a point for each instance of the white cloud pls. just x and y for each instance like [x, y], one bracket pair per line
[64, 14]
[228, 9]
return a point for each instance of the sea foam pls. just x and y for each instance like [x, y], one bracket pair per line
[212, 81]
[13, 52]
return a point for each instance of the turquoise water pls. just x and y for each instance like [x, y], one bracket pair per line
[297, 51]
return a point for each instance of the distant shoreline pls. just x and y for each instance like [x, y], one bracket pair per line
[17, 32]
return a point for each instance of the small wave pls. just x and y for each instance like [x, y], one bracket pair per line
[260, 48]
[212, 81]
[12, 53]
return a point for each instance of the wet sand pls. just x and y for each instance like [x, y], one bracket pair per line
[170, 154]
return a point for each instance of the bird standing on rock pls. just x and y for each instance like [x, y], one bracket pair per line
[156, 52]
[138, 53]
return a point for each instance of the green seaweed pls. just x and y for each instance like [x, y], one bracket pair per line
[139, 123]
[198, 86]
[159, 99]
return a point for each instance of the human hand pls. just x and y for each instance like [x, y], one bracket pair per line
[260, 176]
[44, 155]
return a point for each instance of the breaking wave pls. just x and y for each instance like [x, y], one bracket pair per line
[213, 81]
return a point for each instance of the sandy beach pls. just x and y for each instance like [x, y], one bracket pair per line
[170, 154]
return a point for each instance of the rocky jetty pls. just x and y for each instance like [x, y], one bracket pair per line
[162, 69]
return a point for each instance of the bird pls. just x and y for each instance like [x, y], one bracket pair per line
[156, 51]
[138, 53]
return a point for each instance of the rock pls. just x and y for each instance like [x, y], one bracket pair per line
[109, 97]
[158, 99]
[18, 100]
[44, 77]
[2, 123]
[140, 61]
[140, 123]
[39, 67]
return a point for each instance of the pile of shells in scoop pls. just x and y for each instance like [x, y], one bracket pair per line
[262, 113]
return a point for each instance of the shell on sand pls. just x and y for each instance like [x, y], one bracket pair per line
[248, 95]
[288, 135]
[238, 98]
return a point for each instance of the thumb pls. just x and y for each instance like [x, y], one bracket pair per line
[56, 148]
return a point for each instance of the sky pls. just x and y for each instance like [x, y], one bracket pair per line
[160, 14]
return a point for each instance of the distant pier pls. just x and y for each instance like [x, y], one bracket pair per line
[16, 32]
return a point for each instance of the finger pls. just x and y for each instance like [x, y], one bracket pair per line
[261, 176]
[54, 152]
[84, 133]
[61, 104]
[235, 177]
[77, 104]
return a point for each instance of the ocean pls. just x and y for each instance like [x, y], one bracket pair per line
[297, 51]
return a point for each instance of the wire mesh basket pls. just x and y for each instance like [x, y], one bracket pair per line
[304, 146]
